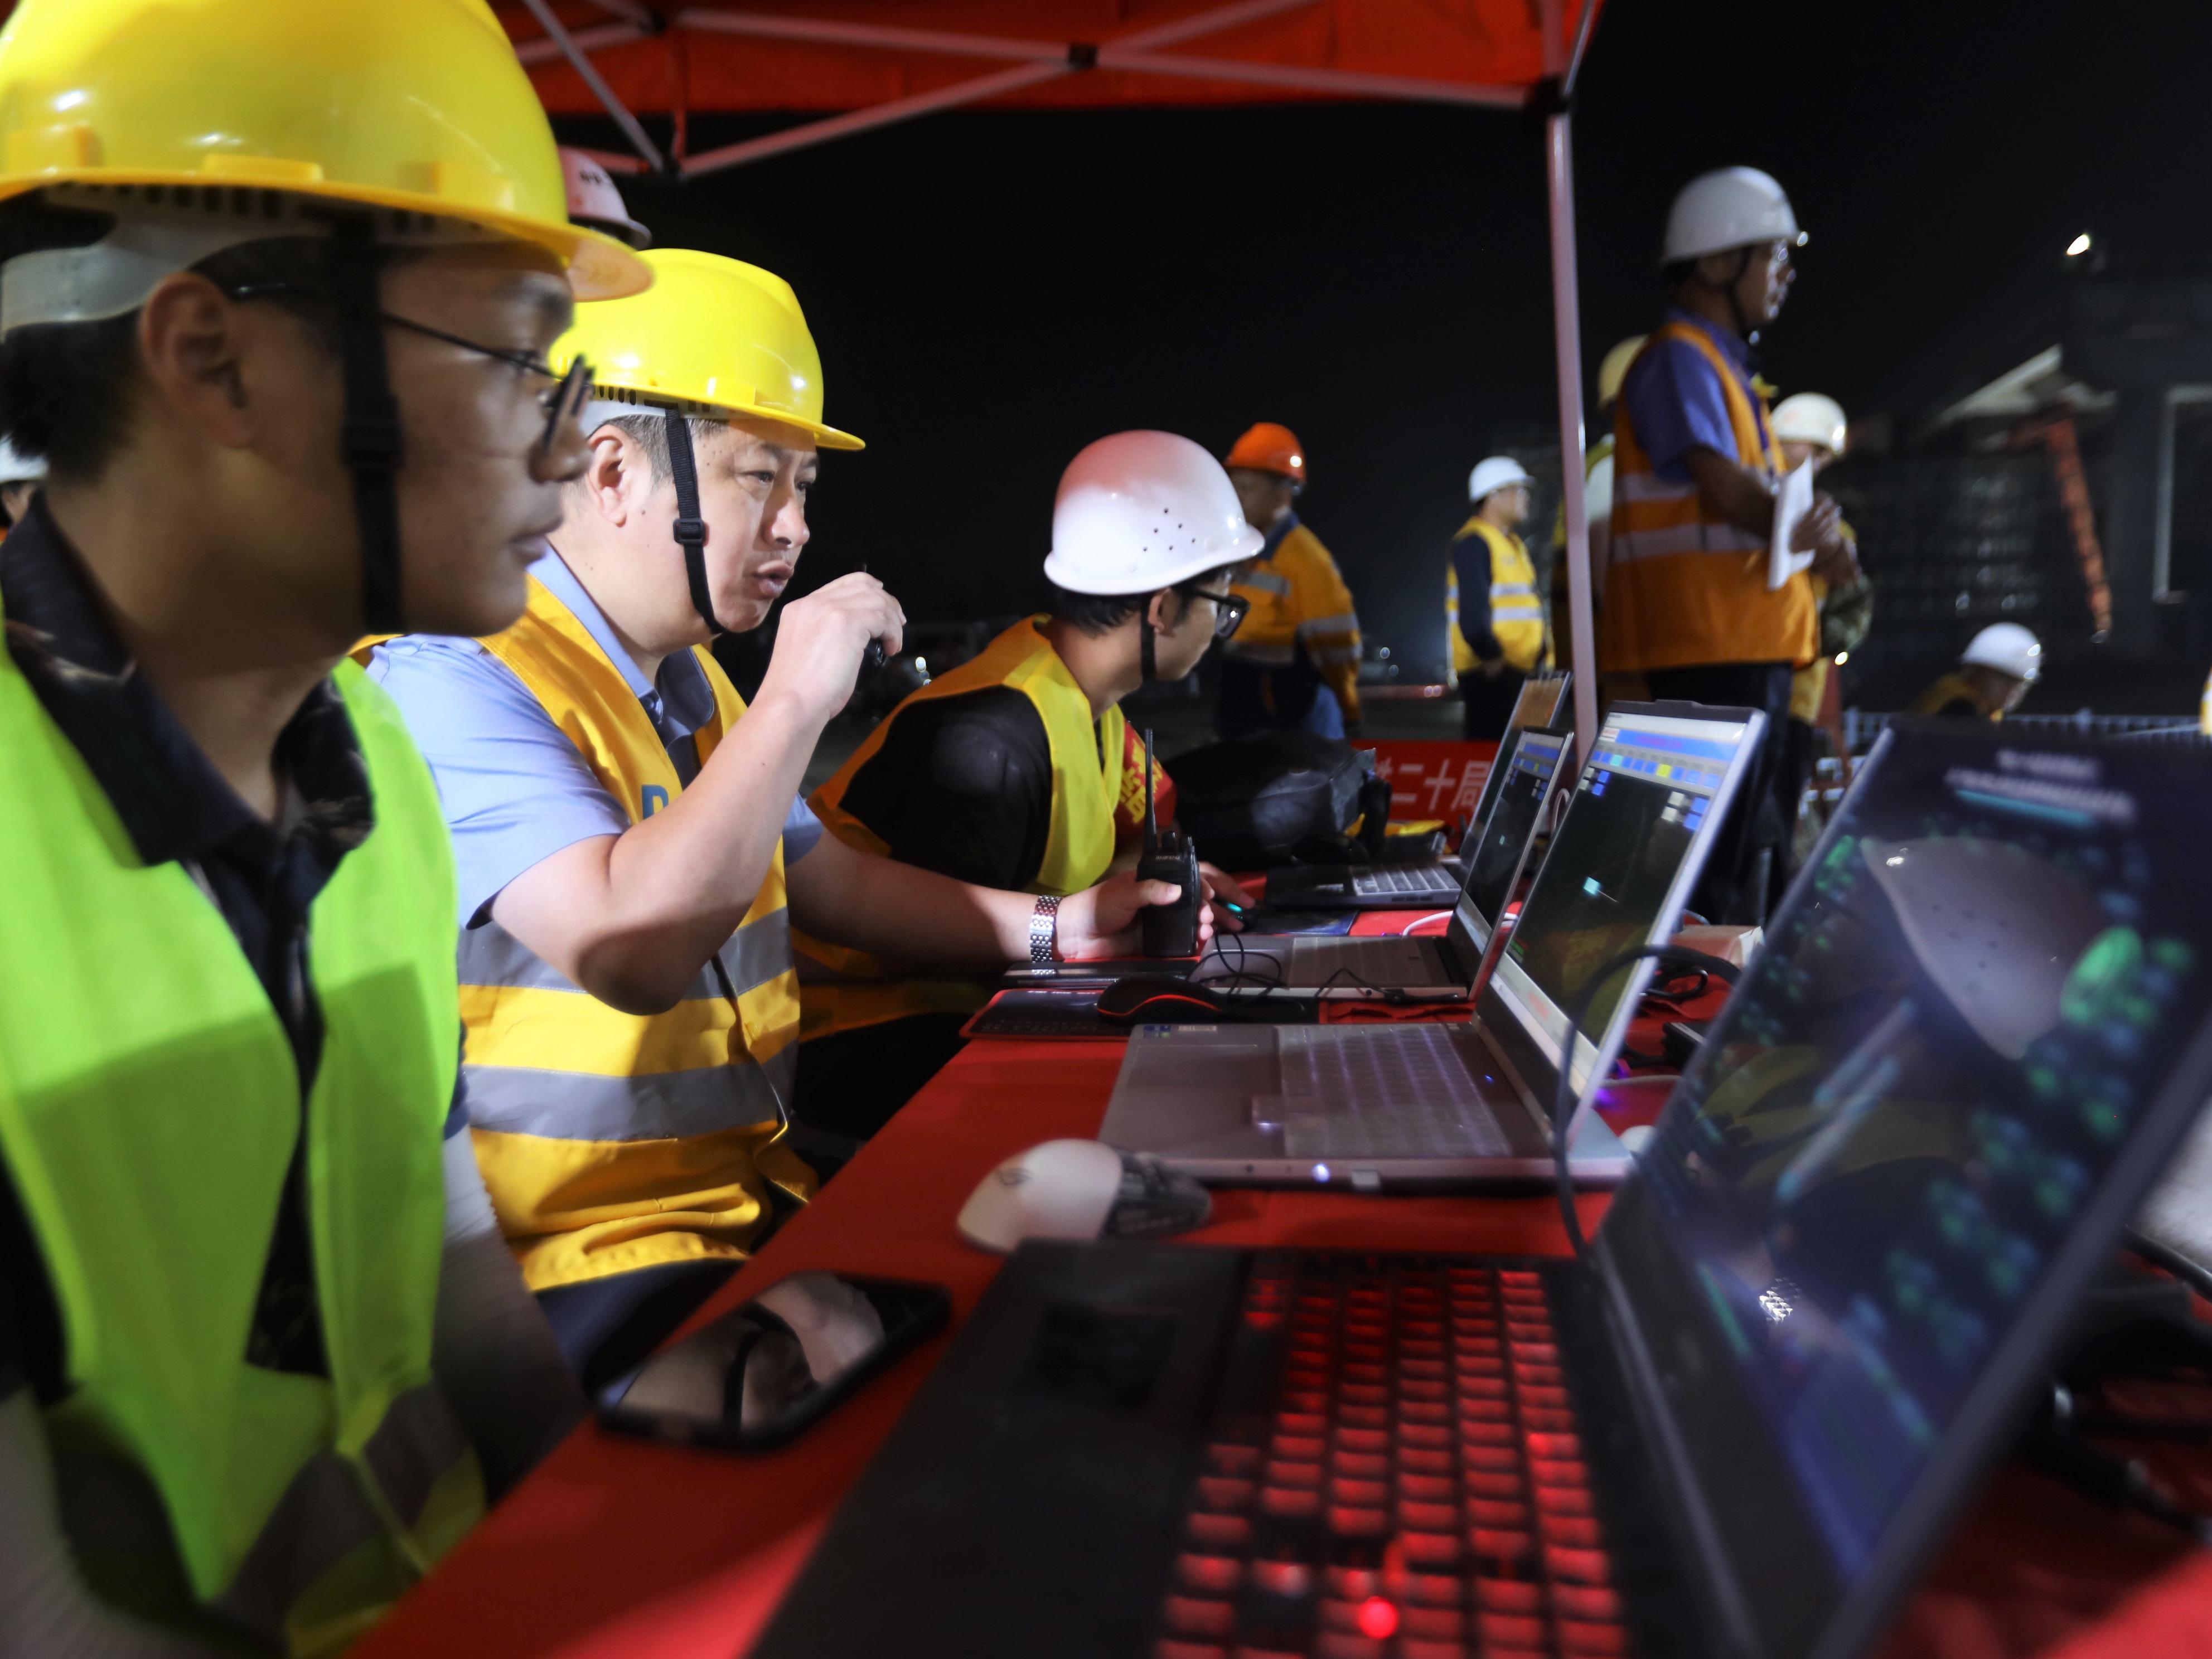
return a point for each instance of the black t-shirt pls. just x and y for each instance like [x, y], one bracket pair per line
[963, 786]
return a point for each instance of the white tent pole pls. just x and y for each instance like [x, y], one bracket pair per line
[543, 11]
[1582, 45]
[1567, 342]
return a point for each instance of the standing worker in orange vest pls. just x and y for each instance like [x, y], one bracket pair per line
[1491, 607]
[1294, 664]
[1687, 603]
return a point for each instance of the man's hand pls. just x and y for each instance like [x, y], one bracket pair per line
[1221, 888]
[1820, 530]
[1491, 669]
[1837, 562]
[820, 640]
[1105, 920]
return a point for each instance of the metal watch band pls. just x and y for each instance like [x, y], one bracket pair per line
[1045, 929]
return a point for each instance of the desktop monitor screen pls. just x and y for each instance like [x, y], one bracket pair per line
[1989, 974]
[1493, 854]
[1618, 871]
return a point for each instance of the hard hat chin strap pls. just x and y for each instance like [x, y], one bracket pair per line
[690, 528]
[369, 433]
[1146, 662]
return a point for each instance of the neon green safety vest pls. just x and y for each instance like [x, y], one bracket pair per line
[149, 1108]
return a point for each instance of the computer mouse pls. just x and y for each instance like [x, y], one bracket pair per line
[1160, 999]
[1080, 1189]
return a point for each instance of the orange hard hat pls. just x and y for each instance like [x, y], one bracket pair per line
[1268, 447]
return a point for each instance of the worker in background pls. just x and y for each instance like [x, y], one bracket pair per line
[1597, 497]
[1688, 604]
[1016, 769]
[595, 204]
[21, 475]
[1813, 430]
[632, 854]
[1491, 606]
[1993, 673]
[261, 1351]
[1294, 663]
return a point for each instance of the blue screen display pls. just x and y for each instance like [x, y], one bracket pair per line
[1966, 1001]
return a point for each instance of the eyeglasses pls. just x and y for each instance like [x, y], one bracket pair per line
[563, 402]
[1229, 610]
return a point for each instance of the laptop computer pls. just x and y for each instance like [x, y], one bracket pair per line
[1542, 702]
[1676, 763]
[1389, 887]
[1426, 1105]
[1739, 1426]
[1427, 968]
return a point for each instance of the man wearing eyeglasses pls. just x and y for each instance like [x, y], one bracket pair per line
[1016, 769]
[1688, 604]
[633, 857]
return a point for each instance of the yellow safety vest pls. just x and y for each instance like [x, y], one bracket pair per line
[1091, 778]
[1297, 601]
[148, 1123]
[1516, 612]
[613, 1141]
[1947, 693]
[1682, 586]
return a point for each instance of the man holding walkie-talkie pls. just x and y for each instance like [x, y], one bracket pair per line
[1016, 769]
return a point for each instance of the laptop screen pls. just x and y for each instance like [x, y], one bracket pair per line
[1618, 870]
[1493, 854]
[1543, 697]
[1986, 975]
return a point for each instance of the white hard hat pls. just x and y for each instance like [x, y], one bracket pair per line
[1731, 207]
[1809, 418]
[1496, 473]
[1141, 510]
[593, 201]
[2009, 648]
[15, 467]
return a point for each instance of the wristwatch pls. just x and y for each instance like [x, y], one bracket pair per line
[1045, 929]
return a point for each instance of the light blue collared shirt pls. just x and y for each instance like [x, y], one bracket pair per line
[515, 790]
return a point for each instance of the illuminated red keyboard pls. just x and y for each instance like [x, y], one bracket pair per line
[1408, 1484]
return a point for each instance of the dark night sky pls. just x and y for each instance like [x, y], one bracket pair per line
[991, 291]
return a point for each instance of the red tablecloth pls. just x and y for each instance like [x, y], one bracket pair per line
[620, 1549]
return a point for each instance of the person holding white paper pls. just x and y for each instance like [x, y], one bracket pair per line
[1688, 606]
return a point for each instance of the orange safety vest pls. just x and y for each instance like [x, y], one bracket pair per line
[1683, 587]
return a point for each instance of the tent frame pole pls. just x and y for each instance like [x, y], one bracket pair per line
[581, 63]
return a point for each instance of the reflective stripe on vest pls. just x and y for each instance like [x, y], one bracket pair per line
[612, 1141]
[148, 1137]
[1081, 837]
[1682, 586]
[1517, 610]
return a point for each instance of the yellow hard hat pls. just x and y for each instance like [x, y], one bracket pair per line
[415, 105]
[1614, 368]
[714, 336]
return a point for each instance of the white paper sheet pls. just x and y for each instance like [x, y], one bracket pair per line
[1791, 502]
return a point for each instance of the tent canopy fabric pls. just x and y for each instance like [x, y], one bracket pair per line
[849, 54]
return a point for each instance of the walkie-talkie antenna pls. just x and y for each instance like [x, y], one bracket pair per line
[1152, 821]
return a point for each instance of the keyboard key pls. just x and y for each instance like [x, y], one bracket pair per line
[1298, 1448]
[1555, 1446]
[1293, 1501]
[1217, 1575]
[1489, 1512]
[1428, 1460]
[1360, 1494]
[1578, 1638]
[1431, 1550]
[1479, 1485]
[1577, 1567]
[1429, 1590]
[1299, 1422]
[1352, 1584]
[1558, 1472]
[1578, 1532]
[1496, 1546]
[1566, 1500]
[1188, 1616]
[1417, 1517]
[1506, 1630]
[1223, 1459]
[1221, 1492]
[1356, 1521]
[1358, 1464]
[1437, 1435]
[1587, 1602]
[1283, 1472]
[1478, 1432]
[1507, 1596]
[1428, 1488]
[1290, 1579]
[1219, 1534]
[1434, 1623]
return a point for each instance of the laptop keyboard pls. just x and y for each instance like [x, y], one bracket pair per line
[1389, 883]
[1400, 1092]
[1326, 963]
[1406, 1483]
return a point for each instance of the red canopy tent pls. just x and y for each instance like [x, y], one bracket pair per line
[880, 61]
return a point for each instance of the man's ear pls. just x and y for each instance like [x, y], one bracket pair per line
[1164, 612]
[196, 352]
[613, 472]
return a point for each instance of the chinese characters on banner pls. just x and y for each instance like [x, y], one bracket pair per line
[1433, 779]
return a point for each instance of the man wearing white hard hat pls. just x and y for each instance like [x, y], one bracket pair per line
[593, 201]
[1016, 769]
[1688, 605]
[1491, 606]
[1993, 673]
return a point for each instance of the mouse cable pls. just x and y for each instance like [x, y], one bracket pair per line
[2053, 1444]
[1563, 1099]
[2165, 1257]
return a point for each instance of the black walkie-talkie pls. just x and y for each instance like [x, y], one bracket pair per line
[1170, 930]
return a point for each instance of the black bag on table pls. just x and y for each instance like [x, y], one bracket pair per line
[1273, 798]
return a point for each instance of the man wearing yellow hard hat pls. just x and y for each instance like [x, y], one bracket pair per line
[632, 853]
[1294, 662]
[1597, 494]
[278, 284]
